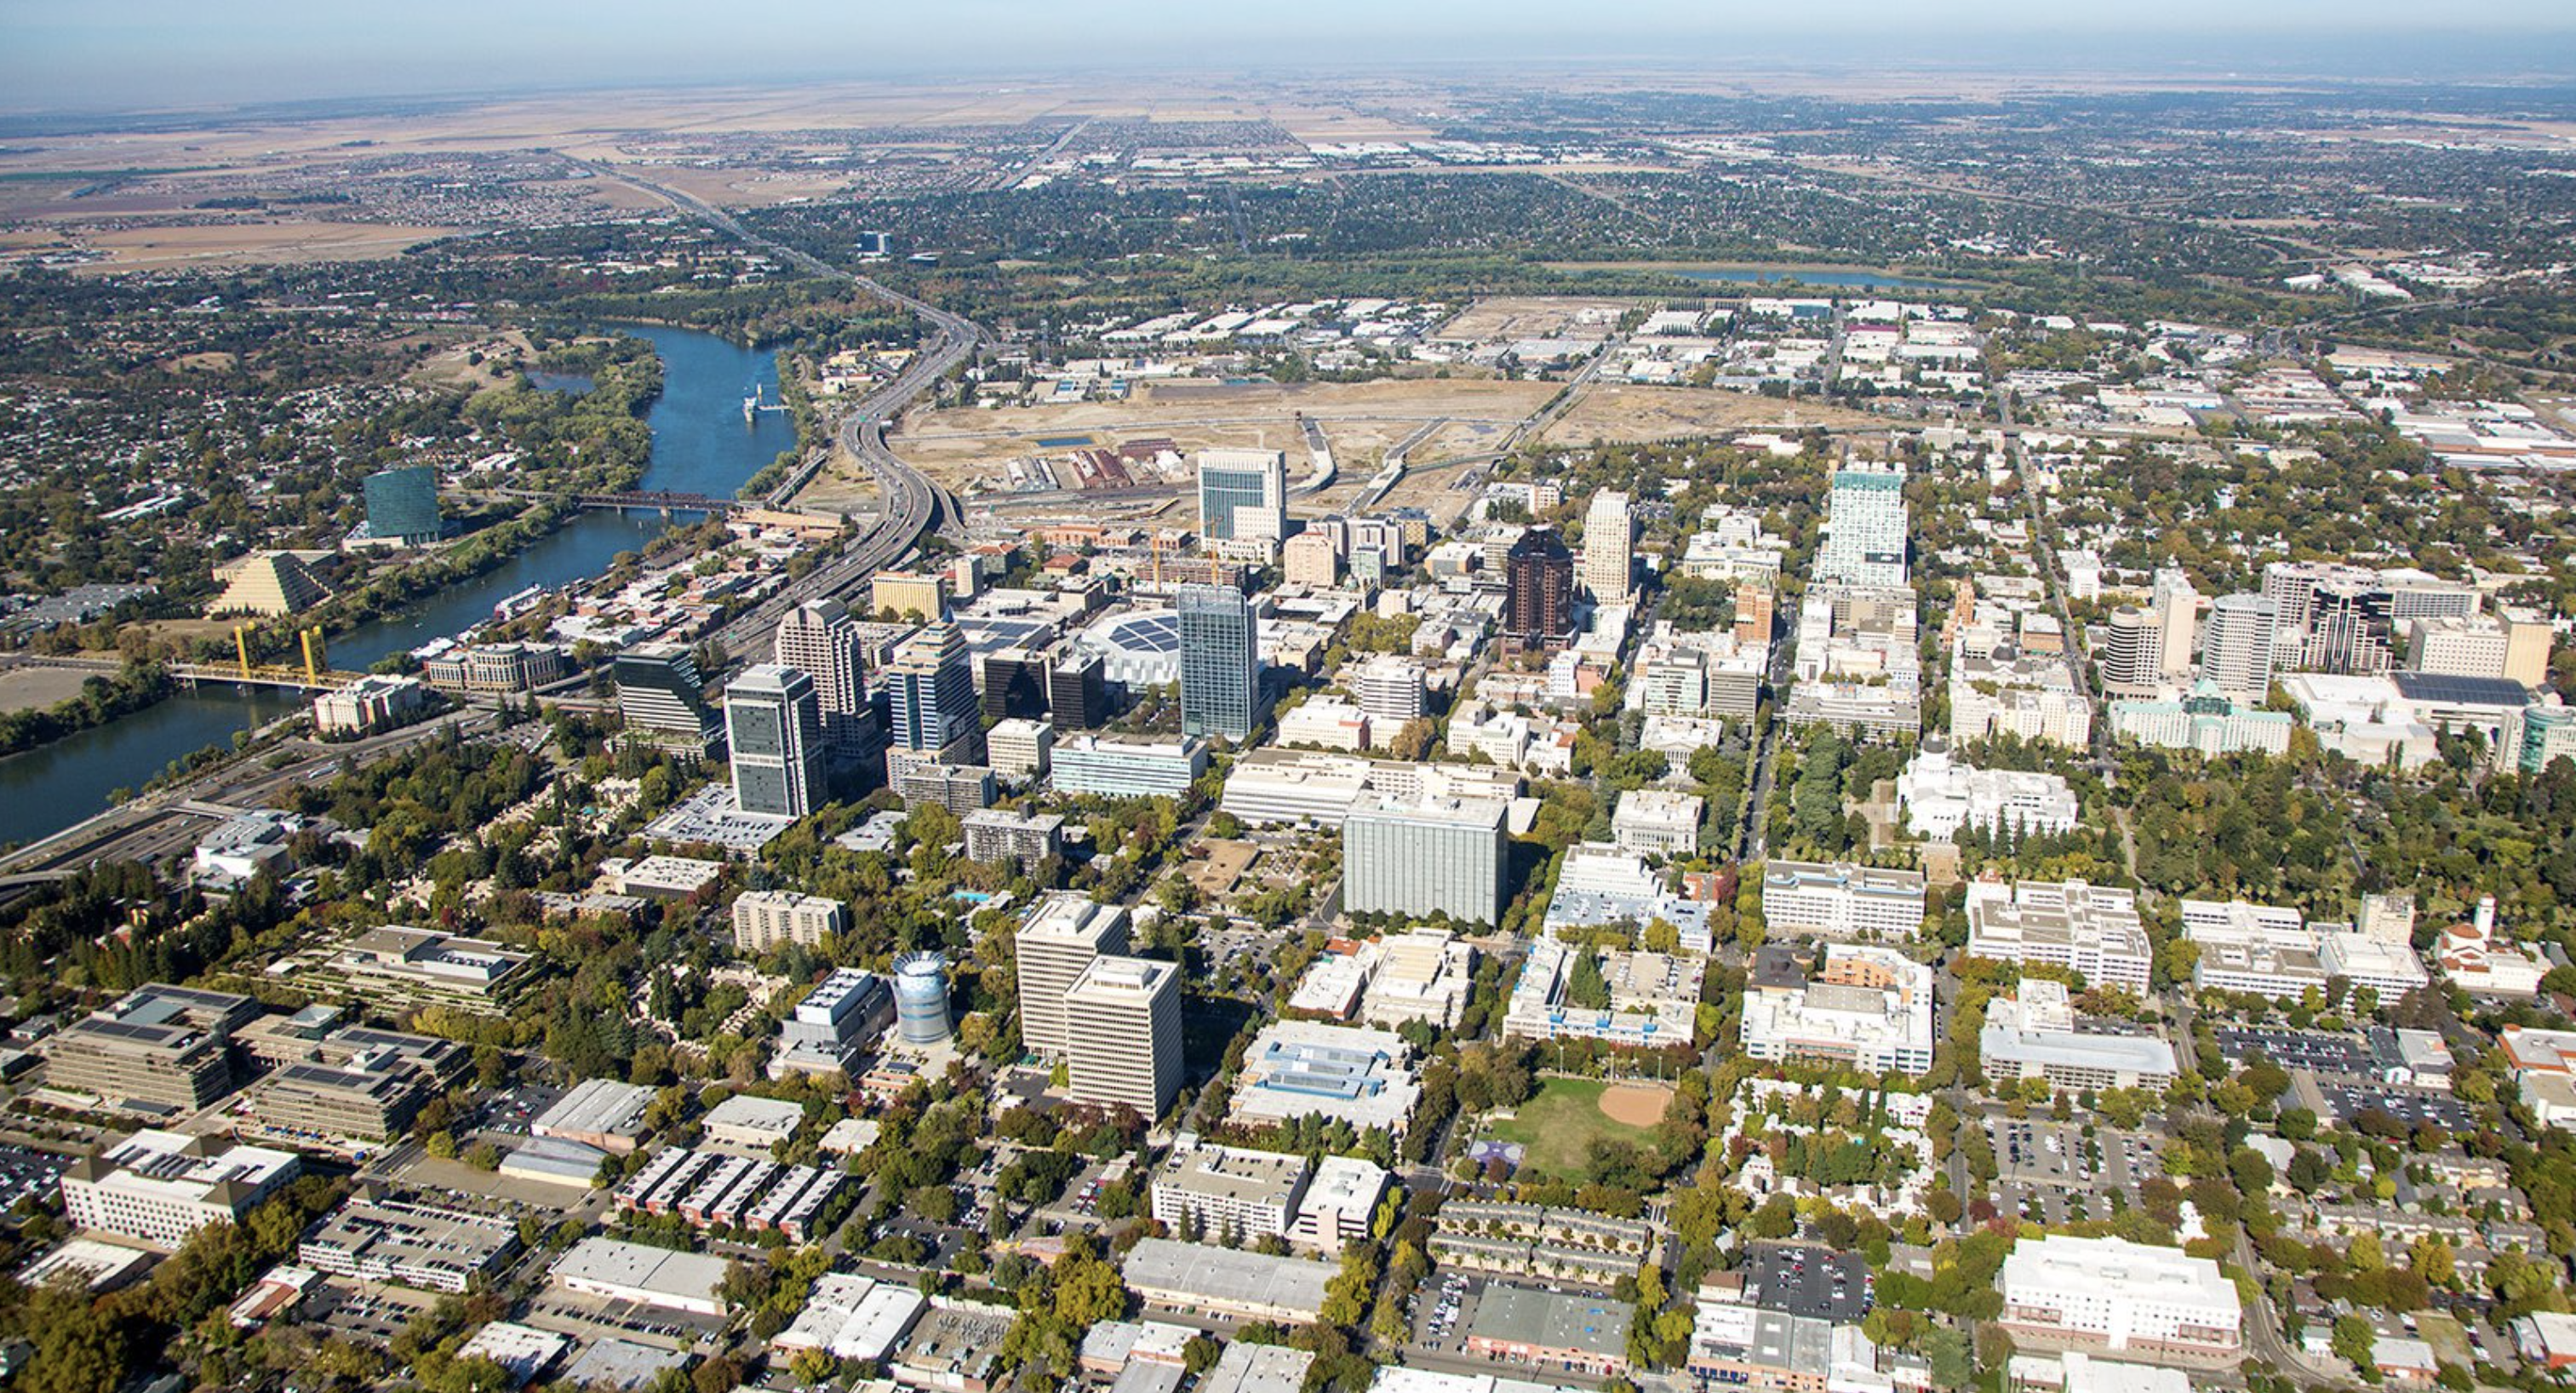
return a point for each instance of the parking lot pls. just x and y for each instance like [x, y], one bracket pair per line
[2053, 1171]
[508, 1112]
[2293, 1049]
[369, 1314]
[1444, 1306]
[26, 1174]
[1808, 1279]
[574, 1313]
[2407, 1105]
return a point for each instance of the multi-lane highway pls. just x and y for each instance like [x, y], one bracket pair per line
[914, 506]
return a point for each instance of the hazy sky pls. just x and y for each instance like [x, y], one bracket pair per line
[156, 53]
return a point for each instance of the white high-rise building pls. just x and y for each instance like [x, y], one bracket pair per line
[2236, 654]
[1060, 939]
[1243, 494]
[1123, 1034]
[2175, 608]
[1609, 534]
[1423, 856]
[774, 731]
[819, 639]
[1389, 689]
[2132, 654]
[1865, 527]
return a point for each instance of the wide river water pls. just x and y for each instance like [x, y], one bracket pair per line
[700, 445]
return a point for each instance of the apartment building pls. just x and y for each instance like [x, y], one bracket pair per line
[2109, 1293]
[765, 919]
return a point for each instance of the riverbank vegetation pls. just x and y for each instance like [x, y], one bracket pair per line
[102, 699]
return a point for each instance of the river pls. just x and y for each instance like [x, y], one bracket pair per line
[700, 445]
[1777, 276]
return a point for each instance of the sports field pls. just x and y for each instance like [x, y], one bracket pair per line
[1558, 1125]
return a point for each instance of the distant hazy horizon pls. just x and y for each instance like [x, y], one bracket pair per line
[128, 55]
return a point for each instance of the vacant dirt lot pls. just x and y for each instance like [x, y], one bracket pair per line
[242, 244]
[1361, 421]
[27, 688]
[1622, 411]
[1536, 317]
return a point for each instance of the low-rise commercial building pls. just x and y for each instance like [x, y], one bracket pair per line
[162, 1186]
[413, 1245]
[372, 703]
[1112, 766]
[848, 1316]
[160, 1049]
[1841, 900]
[1424, 975]
[1344, 1073]
[2033, 1035]
[1654, 998]
[601, 1113]
[621, 1271]
[1227, 1283]
[424, 967]
[350, 1100]
[1549, 1329]
[2092, 929]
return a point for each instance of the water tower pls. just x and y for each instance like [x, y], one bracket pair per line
[921, 999]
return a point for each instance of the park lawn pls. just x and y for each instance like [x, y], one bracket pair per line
[1558, 1125]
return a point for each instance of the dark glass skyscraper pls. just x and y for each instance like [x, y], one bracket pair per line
[1220, 663]
[1077, 692]
[1538, 602]
[402, 505]
[774, 735]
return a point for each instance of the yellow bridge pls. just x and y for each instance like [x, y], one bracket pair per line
[315, 675]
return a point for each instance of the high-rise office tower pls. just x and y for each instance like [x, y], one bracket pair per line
[1865, 526]
[774, 735]
[1243, 493]
[1123, 1034]
[1428, 856]
[930, 690]
[819, 639]
[2236, 651]
[1057, 941]
[659, 693]
[402, 505]
[1077, 689]
[2132, 657]
[1014, 685]
[2175, 608]
[1220, 662]
[1609, 533]
[2527, 635]
[2350, 629]
[1538, 583]
[1756, 611]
